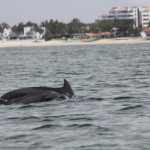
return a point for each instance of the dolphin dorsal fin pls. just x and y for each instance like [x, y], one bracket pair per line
[66, 84]
[67, 87]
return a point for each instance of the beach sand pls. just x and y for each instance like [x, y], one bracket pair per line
[29, 43]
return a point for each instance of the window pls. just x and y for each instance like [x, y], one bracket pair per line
[145, 15]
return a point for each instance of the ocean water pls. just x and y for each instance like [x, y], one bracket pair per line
[111, 110]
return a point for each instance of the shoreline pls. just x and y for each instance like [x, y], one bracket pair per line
[31, 43]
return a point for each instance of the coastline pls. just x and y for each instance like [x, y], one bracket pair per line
[31, 43]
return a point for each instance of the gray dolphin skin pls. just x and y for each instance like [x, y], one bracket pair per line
[37, 94]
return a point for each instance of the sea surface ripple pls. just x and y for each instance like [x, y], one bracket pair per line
[111, 110]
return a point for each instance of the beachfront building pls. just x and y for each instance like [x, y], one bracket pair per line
[30, 33]
[27, 30]
[141, 15]
[144, 14]
[5, 34]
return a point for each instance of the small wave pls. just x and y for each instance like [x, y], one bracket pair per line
[47, 120]
[81, 118]
[96, 98]
[92, 146]
[89, 125]
[54, 116]
[26, 107]
[13, 118]
[131, 107]
[96, 146]
[123, 98]
[45, 126]
[120, 85]
[42, 104]
[16, 137]
[81, 125]
[102, 129]
[22, 118]
[27, 118]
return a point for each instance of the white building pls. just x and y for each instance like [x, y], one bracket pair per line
[144, 15]
[27, 30]
[6, 33]
[141, 15]
[30, 33]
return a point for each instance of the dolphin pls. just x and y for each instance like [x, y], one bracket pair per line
[37, 94]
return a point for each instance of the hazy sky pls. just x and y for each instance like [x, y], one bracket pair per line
[15, 11]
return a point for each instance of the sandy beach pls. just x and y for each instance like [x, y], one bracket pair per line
[29, 43]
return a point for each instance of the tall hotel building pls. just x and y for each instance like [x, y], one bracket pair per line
[141, 15]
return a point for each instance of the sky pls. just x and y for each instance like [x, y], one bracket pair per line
[87, 11]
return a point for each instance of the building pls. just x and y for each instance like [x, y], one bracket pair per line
[5, 34]
[27, 30]
[13, 36]
[30, 33]
[141, 15]
[77, 36]
[144, 15]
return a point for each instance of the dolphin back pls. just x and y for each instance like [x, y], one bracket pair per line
[37, 94]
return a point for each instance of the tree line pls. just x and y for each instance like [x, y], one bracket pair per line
[54, 28]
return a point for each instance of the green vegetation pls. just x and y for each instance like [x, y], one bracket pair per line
[149, 24]
[56, 29]
[3, 26]
[124, 27]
